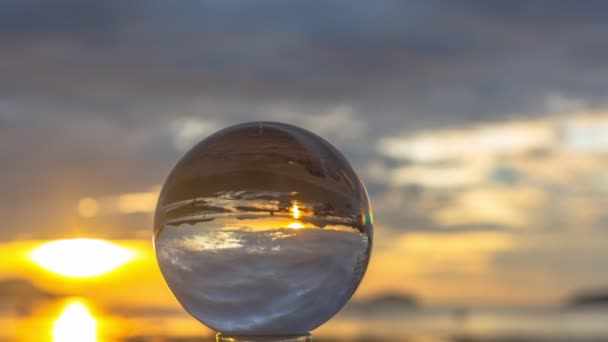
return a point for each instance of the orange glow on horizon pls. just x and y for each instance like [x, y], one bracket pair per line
[138, 202]
[81, 258]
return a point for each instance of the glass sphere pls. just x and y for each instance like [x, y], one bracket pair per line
[263, 229]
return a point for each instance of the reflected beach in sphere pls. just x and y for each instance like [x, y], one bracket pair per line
[263, 229]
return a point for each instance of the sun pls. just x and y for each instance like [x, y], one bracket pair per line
[81, 258]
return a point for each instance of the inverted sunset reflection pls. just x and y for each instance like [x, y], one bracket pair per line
[81, 258]
[75, 324]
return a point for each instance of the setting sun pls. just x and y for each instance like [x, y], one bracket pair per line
[81, 258]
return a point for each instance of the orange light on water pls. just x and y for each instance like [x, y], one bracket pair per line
[75, 324]
[295, 225]
[81, 258]
[295, 211]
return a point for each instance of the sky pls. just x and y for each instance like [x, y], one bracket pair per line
[479, 127]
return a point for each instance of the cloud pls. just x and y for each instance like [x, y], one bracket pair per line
[495, 206]
[443, 59]
[482, 141]
[454, 175]
[191, 131]
[587, 133]
[127, 203]
[336, 122]
[66, 19]
[516, 173]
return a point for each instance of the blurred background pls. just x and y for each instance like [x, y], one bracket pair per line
[479, 127]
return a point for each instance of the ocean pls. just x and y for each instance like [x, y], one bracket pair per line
[81, 321]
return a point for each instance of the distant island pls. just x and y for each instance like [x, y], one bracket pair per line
[24, 289]
[384, 302]
[596, 298]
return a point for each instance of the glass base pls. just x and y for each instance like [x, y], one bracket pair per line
[261, 338]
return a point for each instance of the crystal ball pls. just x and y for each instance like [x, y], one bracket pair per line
[263, 228]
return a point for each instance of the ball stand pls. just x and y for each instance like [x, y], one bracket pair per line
[277, 338]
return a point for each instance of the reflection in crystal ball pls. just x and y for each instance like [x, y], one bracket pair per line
[263, 229]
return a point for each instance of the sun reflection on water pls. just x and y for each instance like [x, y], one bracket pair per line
[295, 211]
[295, 225]
[75, 324]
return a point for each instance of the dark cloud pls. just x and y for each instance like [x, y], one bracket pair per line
[88, 22]
[468, 57]
[541, 15]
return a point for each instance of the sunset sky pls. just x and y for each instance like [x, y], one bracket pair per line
[480, 129]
